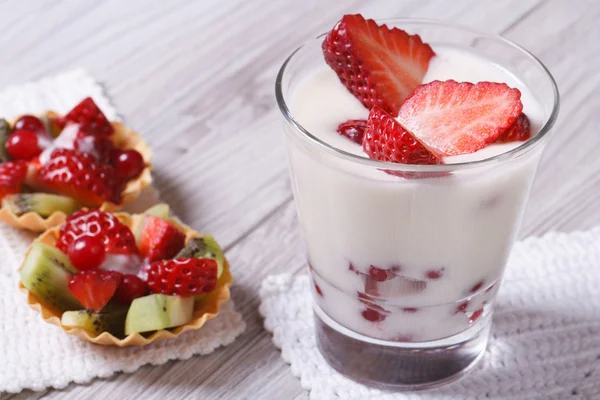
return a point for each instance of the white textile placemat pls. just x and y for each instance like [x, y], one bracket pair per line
[36, 355]
[545, 337]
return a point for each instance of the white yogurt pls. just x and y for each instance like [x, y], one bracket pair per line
[463, 223]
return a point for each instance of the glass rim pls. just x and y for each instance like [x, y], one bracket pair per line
[513, 153]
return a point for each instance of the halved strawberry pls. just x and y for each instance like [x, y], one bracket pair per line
[158, 239]
[94, 288]
[453, 118]
[378, 65]
[117, 237]
[518, 132]
[386, 140]
[90, 118]
[80, 176]
[183, 277]
[353, 129]
[12, 176]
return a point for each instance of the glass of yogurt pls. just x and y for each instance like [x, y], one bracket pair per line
[406, 260]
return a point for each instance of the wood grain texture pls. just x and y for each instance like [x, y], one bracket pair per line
[197, 80]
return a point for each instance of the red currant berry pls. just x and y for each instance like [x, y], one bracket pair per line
[23, 145]
[87, 252]
[129, 164]
[131, 288]
[30, 123]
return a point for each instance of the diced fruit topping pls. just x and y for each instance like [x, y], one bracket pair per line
[129, 164]
[462, 307]
[5, 131]
[204, 247]
[87, 252]
[30, 123]
[353, 129]
[158, 239]
[94, 288]
[158, 311]
[90, 118]
[452, 118]
[378, 65]
[183, 277]
[80, 176]
[12, 176]
[476, 287]
[380, 275]
[23, 145]
[117, 237]
[518, 132]
[476, 314]
[101, 147]
[95, 323]
[434, 274]
[386, 140]
[41, 203]
[160, 210]
[131, 288]
[46, 273]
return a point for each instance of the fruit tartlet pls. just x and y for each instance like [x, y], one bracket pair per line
[125, 280]
[51, 166]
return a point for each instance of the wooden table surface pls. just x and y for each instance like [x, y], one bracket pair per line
[196, 78]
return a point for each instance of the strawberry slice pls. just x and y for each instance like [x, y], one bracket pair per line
[80, 176]
[158, 239]
[94, 288]
[353, 129]
[90, 118]
[12, 176]
[452, 118]
[183, 277]
[378, 65]
[101, 147]
[518, 132]
[386, 140]
[117, 237]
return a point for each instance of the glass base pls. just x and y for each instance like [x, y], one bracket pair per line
[400, 365]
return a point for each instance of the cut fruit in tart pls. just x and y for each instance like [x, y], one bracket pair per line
[113, 308]
[81, 157]
[158, 239]
[158, 311]
[452, 118]
[378, 65]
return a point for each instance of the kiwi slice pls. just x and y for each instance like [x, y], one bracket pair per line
[96, 323]
[158, 311]
[5, 131]
[160, 210]
[42, 203]
[204, 247]
[46, 273]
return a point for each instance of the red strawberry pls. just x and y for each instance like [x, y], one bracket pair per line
[518, 132]
[94, 288]
[386, 140]
[183, 277]
[159, 239]
[378, 65]
[80, 176]
[90, 118]
[452, 118]
[12, 176]
[117, 237]
[353, 129]
[101, 147]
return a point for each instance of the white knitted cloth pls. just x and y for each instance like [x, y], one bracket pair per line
[36, 355]
[545, 336]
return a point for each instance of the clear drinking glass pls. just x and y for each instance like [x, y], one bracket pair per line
[405, 269]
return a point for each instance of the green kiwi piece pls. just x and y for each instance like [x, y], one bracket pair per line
[5, 131]
[204, 247]
[96, 323]
[158, 311]
[46, 273]
[160, 210]
[43, 204]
